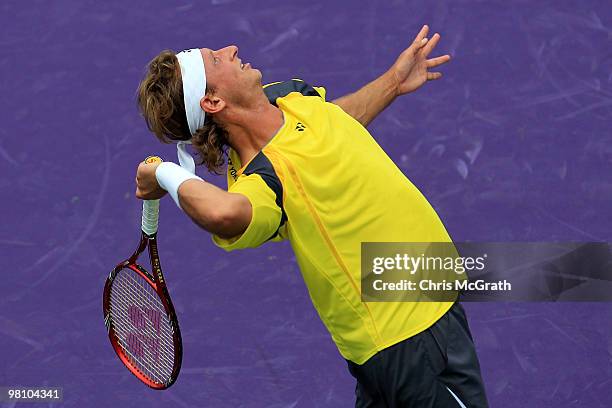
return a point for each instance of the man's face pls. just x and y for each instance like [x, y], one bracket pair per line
[232, 80]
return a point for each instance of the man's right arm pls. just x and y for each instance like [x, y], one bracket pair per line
[217, 211]
[245, 216]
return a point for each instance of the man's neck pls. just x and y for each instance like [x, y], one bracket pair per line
[251, 129]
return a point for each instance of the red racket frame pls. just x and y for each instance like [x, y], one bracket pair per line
[156, 281]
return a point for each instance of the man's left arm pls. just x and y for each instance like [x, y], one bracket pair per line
[409, 72]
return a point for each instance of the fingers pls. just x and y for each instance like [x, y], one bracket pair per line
[422, 34]
[434, 62]
[431, 44]
[420, 40]
[138, 193]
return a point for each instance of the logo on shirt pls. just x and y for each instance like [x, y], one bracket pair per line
[232, 170]
[300, 127]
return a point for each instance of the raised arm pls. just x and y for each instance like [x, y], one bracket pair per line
[407, 74]
[365, 104]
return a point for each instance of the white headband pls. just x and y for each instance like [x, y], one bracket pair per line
[194, 86]
[193, 75]
[185, 159]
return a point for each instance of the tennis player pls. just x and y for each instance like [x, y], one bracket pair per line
[307, 170]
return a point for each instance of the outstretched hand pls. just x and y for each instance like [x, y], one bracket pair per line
[411, 69]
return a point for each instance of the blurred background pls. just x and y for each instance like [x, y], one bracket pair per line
[514, 143]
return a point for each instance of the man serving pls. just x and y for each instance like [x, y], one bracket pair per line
[303, 169]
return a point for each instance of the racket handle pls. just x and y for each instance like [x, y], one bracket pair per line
[150, 208]
[150, 216]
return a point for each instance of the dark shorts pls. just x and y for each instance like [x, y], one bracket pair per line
[436, 368]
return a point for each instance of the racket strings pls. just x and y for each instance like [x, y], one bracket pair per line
[147, 341]
[139, 341]
[147, 309]
[142, 326]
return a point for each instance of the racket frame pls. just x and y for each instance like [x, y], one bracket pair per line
[157, 282]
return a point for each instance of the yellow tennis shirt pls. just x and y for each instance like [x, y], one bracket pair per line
[324, 184]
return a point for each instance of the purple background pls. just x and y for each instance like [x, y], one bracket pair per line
[513, 144]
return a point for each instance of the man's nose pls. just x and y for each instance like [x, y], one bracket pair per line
[230, 50]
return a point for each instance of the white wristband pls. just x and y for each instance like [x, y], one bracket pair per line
[170, 176]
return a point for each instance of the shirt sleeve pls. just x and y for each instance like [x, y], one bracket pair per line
[265, 218]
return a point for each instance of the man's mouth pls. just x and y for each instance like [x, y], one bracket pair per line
[245, 66]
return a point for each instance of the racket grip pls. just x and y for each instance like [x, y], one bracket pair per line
[150, 216]
[150, 208]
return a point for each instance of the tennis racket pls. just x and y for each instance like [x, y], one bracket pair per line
[138, 313]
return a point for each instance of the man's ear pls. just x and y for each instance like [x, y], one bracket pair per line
[212, 103]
